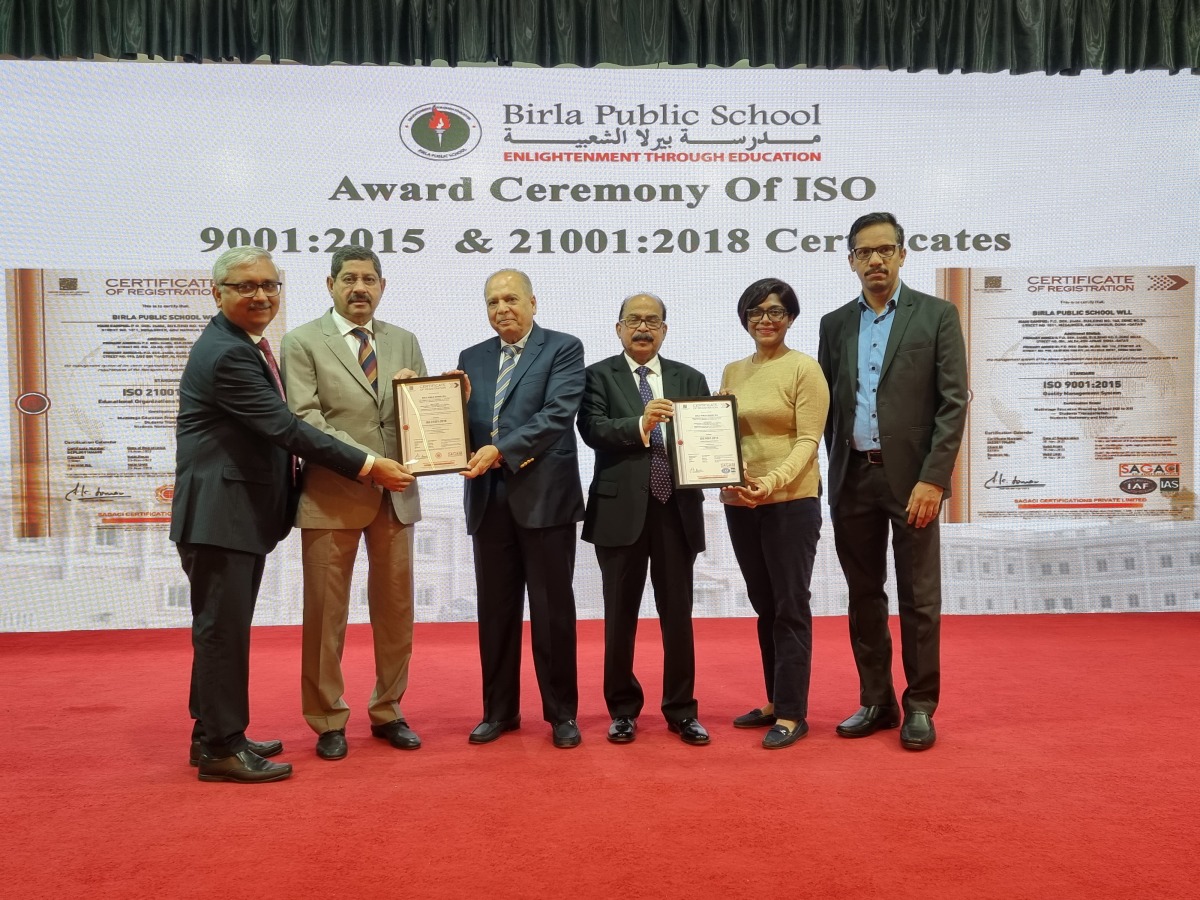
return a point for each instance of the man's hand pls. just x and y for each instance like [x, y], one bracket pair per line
[656, 411]
[466, 382]
[404, 374]
[923, 503]
[390, 475]
[485, 458]
[752, 493]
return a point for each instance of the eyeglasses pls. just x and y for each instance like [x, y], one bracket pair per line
[652, 322]
[250, 288]
[885, 251]
[775, 314]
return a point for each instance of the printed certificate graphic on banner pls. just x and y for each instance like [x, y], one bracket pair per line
[94, 365]
[1083, 386]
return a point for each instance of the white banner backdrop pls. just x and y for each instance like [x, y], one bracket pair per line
[121, 183]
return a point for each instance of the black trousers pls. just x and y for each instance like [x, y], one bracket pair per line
[775, 545]
[509, 559]
[663, 546]
[224, 588]
[866, 509]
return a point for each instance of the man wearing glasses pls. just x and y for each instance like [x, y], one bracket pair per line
[338, 373]
[236, 484]
[896, 366]
[636, 517]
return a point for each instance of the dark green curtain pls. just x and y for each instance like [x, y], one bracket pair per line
[1051, 36]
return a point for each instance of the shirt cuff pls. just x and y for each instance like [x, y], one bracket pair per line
[367, 466]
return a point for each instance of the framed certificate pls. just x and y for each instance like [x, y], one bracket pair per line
[707, 444]
[431, 423]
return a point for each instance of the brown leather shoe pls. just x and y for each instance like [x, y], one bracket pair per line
[246, 767]
[868, 720]
[262, 748]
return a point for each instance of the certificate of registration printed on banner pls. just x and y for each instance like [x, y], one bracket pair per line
[707, 444]
[431, 415]
[95, 366]
[1082, 392]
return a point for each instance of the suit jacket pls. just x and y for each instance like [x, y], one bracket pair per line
[609, 422]
[327, 389]
[537, 433]
[922, 397]
[234, 439]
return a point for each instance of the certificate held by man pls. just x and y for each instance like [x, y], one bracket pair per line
[707, 444]
[431, 418]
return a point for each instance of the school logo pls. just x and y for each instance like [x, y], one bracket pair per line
[440, 131]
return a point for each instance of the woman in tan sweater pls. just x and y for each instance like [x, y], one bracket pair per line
[775, 520]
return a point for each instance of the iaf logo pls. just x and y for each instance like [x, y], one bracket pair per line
[440, 131]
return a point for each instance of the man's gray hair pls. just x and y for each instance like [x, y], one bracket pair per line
[238, 256]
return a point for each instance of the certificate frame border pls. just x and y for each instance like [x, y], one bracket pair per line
[675, 467]
[396, 384]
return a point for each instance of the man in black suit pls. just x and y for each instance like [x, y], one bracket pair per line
[896, 365]
[522, 501]
[635, 517]
[236, 486]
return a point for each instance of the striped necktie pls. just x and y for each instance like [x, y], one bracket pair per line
[502, 384]
[660, 468]
[366, 357]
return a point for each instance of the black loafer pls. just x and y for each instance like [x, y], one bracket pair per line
[264, 749]
[398, 734]
[756, 718]
[332, 744]
[690, 731]
[779, 736]
[486, 732]
[246, 767]
[566, 735]
[917, 732]
[868, 720]
[622, 730]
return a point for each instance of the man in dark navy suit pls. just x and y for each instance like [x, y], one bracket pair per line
[637, 518]
[236, 486]
[522, 501]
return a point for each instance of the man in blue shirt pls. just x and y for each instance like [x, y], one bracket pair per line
[896, 365]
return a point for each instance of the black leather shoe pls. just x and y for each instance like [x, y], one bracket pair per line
[622, 730]
[262, 748]
[779, 736]
[868, 720]
[332, 744]
[756, 718]
[690, 731]
[917, 732]
[566, 735]
[486, 732]
[246, 767]
[398, 734]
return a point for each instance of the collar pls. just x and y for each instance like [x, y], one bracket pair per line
[345, 326]
[654, 364]
[891, 304]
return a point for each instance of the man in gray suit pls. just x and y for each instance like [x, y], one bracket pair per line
[338, 371]
[896, 365]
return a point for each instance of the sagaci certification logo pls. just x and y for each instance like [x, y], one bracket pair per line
[440, 131]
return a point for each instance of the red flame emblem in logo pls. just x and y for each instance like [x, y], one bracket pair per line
[440, 123]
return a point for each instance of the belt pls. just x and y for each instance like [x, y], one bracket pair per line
[871, 457]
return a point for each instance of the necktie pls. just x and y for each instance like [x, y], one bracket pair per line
[660, 469]
[265, 347]
[366, 357]
[503, 380]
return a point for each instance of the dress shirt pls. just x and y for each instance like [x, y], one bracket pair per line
[654, 379]
[873, 331]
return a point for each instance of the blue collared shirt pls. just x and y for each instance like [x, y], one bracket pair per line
[873, 332]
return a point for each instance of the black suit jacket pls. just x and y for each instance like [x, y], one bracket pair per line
[609, 423]
[234, 438]
[537, 437]
[922, 397]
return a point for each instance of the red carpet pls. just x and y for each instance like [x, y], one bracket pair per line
[1065, 767]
